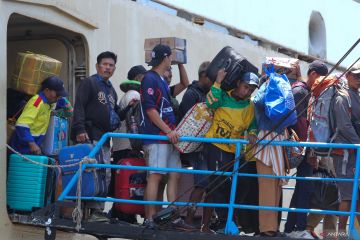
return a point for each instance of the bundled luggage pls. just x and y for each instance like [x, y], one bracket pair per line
[93, 180]
[31, 69]
[288, 66]
[130, 184]
[235, 65]
[30, 186]
[196, 123]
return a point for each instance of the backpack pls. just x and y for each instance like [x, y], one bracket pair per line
[134, 117]
[301, 125]
[321, 120]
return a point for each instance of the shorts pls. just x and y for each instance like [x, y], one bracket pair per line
[196, 160]
[161, 156]
[345, 188]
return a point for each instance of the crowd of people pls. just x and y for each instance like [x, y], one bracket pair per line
[238, 113]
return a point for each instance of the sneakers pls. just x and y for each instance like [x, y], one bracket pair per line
[179, 224]
[300, 234]
[98, 216]
[149, 223]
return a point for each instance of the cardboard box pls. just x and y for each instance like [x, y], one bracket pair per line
[56, 136]
[150, 43]
[172, 42]
[31, 69]
[288, 66]
[178, 56]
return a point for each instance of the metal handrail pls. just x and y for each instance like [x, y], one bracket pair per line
[231, 205]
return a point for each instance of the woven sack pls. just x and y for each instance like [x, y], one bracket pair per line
[196, 123]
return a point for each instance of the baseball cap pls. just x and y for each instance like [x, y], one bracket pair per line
[356, 68]
[319, 67]
[250, 78]
[56, 84]
[158, 53]
[134, 71]
[130, 85]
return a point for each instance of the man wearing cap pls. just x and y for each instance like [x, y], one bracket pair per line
[121, 147]
[296, 223]
[158, 119]
[229, 108]
[131, 87]
[34, 120]
[346, 114]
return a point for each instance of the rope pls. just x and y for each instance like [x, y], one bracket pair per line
[77, 214]
[84, 160]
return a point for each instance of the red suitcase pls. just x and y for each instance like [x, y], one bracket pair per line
[130, 184]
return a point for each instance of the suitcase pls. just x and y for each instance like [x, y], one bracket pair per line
[235, 65]
[130, 184]
[93, 181]
[56, 136]
[29, 186]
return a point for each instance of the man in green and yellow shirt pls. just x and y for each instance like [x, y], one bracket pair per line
[234, 116]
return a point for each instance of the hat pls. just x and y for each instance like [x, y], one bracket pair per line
[319, 67]
[158, 54]
[250, 78]
[134, 71]
[356, 68]
[56, 84]
[130, 85]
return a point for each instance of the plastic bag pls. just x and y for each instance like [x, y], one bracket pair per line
[279, 100]
[325, 194]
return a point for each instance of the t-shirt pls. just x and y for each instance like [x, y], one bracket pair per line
[231, 118]
[155, 93]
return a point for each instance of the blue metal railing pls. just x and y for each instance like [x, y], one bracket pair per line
[231, 205]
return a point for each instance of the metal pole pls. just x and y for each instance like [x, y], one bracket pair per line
[353, 232]
[230, 225]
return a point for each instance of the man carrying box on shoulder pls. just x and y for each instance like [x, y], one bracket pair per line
[34, 120]
[158, 119]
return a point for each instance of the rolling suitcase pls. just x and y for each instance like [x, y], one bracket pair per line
[130, 184]
[29, 186]
[93, 181]
[235, 65]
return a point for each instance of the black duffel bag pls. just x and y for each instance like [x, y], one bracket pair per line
[235, 65]
[325, 194]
